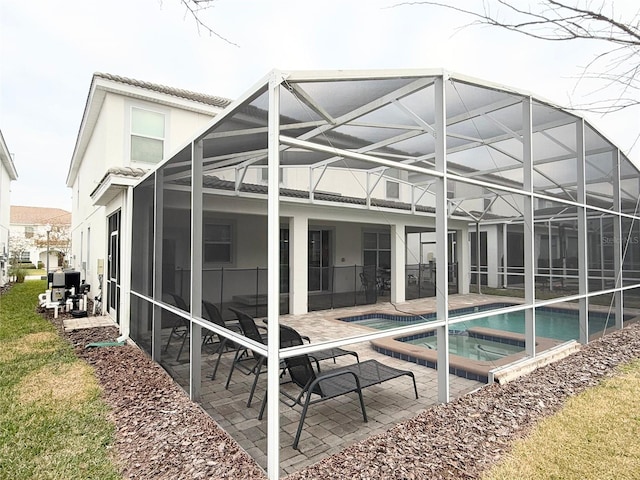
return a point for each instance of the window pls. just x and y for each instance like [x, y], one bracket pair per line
[28, 232]
[264, 175]
[487, 199]
[217, 243]
[147, 136]
[393, 189]
[377, 249]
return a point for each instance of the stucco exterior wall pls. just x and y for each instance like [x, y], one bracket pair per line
[109, 147]
[5, 185]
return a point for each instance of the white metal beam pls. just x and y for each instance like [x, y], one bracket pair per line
[273, 282]
[195, 340]
[158, 217]
[529, 232]
[583, 261]
[617, 241]
[442, 263]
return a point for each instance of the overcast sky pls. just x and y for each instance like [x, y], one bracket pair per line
[49, 51]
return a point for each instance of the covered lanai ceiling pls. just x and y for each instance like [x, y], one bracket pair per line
[383, 124]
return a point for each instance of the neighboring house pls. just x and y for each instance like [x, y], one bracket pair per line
[128, 126]
[31, 227]
[7, 175]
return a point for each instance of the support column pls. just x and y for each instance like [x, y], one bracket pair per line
[583, 263]
[158, 206]
[528, 229]
[464, 260]
[617, 241]
[505, 276]
[550, 254]
[442, 267]
[195, 365]
[478, 262]
[398, 262]
[298, 264]
[126, 225]
[273, 281]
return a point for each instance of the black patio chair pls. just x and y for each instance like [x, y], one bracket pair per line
[333, 383]
[212, 313]
[288, 338]
[250, 330]
[182, 328]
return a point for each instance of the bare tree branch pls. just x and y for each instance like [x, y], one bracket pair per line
[195, 8]
[562, 20]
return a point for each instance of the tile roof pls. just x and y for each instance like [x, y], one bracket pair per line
[39, 216]
[119, 172]
[217, 183]
[176, 92]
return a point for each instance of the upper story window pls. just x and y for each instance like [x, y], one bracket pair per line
[393, 190]
[147, 135]
[264, 175]
[28, 232]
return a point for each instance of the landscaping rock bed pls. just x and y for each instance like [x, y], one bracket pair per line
[161, 434]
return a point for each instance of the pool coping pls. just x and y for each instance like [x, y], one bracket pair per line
[461, 366]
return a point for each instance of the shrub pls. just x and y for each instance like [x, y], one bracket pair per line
[17, 272]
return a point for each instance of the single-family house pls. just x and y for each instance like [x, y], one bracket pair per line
[127, 127]
[36, 232]
[316, 190]
[8, 174]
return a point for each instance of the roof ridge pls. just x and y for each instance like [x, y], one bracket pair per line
[176, 92]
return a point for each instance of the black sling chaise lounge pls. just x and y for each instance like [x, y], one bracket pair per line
[335, 382]
[250, 330]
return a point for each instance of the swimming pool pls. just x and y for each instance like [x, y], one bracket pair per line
[476, 347]
[556, 323]
[471, 346]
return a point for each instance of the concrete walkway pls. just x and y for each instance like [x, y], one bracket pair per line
[88, 322]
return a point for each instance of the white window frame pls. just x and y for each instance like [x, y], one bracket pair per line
[232, 235]
[392, 195]
[131, 134]
[378, 248]
[264, 176]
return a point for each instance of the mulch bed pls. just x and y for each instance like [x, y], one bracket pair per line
[161, 434]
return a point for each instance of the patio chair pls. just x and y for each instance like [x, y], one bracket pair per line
[250, 330]
[212, 313]
[288, 338]
[333, 383]
[182, 328]
[294, 338]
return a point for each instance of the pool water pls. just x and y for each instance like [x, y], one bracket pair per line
[553, 323]
[550, 323]
[381, 323]
[471, 347]
[559, 324]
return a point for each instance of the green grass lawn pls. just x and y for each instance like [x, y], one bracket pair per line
[36, 271]
[52, 421]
